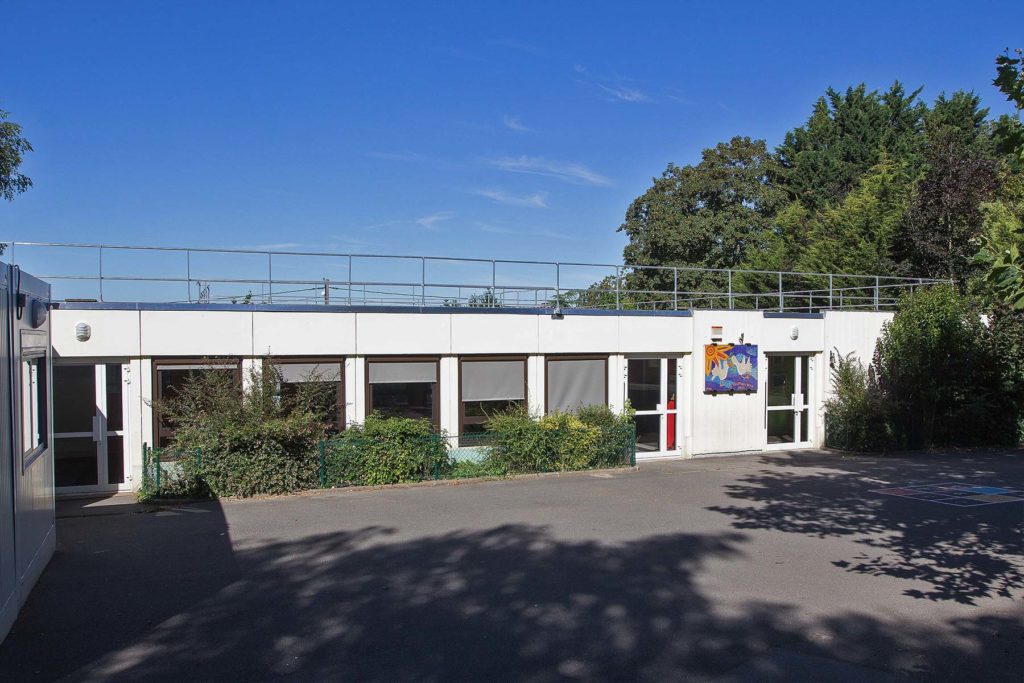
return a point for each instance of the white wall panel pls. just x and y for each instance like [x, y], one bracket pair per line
[303, 334]
[403, 333]
[494, 333]
[114, 333]
[196, 333]
[579, 334]
[655, 334]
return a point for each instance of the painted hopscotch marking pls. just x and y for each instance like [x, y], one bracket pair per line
[956, 494]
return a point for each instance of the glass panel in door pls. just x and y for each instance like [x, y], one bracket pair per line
[651, 390]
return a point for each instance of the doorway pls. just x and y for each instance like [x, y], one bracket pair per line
[787, 413]
[90, 406]
[652, 388]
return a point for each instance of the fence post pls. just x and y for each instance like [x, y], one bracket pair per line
[675, 288]
[323, 463]
[830, 291]
[730, 289]
[101, 273]
[632, 445]
[558, 285]
[782, 299]
[877, 282]
[270, 278]
[617, 288]
[145, 466]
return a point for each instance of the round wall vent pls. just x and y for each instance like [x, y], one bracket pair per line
[82, 332]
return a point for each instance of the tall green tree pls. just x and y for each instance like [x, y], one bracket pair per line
[847, 134]
[857, 234]
[709, 215]
[940, 232]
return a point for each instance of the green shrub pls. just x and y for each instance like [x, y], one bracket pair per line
[250, 439]
[386, 451]
[856, 416]
[939, 375]
[560, 441]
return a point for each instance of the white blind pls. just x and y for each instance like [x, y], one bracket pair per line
[493, 380]
[576, 383]
[306, 372]
[403, 373]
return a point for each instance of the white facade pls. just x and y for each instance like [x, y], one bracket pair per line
[134, 335]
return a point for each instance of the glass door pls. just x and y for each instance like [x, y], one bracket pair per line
[652, 389]
[89, 405]
[787, 414]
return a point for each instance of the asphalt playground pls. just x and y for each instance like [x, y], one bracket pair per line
[781, 566]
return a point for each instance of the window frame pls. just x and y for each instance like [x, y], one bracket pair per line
[557, 357]
[435, 412]
[318, 360]
[471, 359]
[191, 360]
[34, 408]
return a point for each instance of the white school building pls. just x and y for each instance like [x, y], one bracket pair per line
[447, 350]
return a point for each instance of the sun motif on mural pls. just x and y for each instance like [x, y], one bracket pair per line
[714, 354]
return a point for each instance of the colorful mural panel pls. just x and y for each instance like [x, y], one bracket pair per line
[730, 368]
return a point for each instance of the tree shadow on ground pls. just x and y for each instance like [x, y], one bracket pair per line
[952, 553]
[510, 602]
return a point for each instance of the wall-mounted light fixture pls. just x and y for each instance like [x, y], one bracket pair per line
[794, 333]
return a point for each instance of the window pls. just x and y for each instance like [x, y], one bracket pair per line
[33, 402]
[403, 388]
[324, 381]
[574, 382]
[488, 386]
[170, 375]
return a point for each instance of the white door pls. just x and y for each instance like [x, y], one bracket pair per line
[787, 414]
[90, 409]
[652, 388]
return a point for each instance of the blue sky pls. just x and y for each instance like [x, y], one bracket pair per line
[507, 130]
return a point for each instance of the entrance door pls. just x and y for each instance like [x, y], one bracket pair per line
[652, 389]
[89, 407]
[788, 415]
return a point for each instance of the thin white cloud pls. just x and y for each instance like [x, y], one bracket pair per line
[615, 87]
[431, 221]
[625, 94]
[568, 171]
[501, 230]
[537, 200]
[513, 123]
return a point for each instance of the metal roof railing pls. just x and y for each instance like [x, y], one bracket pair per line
[127, 273]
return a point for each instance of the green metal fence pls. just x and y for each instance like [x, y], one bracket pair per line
[355, 460]
[170, 473]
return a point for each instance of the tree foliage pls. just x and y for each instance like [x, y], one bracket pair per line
[711, 214]
[13, 148]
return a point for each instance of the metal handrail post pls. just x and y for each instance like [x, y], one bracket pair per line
[675, 288]
[731, 305]
[830, 291]
[494, 276]
[270, 278]
[188, 273]
[349, 297]
[877, 282]
[558, 285]
[782, 299]
[101, 273]
[617, 307]
[423, 282]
